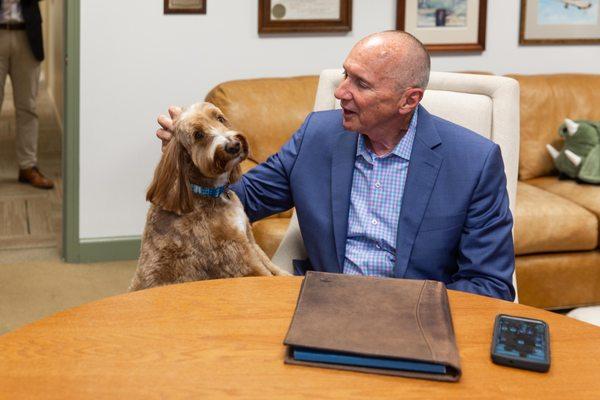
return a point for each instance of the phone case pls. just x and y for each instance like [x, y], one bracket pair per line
[524, 343]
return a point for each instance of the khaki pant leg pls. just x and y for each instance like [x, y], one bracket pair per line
[4, 61]
[24, 73]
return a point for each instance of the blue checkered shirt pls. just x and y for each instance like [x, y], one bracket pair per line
[377, 189]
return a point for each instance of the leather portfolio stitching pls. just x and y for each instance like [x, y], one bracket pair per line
[419, 321]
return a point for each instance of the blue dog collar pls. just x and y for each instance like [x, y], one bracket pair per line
[211, 192]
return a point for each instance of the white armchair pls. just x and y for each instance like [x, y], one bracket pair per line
[488, 105]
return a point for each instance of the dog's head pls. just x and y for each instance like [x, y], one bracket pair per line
[203, 141]
[215, 149]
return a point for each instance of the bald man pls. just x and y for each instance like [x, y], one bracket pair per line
[383, 188]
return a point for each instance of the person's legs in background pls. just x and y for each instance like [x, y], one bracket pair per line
[4, 61]
[24, 70]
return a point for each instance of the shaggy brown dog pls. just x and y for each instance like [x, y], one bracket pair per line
[196, 228]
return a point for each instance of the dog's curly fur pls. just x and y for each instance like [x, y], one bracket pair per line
[191, 237]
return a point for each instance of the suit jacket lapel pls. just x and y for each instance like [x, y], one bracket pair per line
[422, 173]
[342, 168]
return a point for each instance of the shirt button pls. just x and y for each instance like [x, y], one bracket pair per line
[377, 184]
[374, 221]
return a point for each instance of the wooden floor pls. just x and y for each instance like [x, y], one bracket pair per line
[30, 218]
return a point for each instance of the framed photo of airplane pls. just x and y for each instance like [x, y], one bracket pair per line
[444, 25]
[559, 22]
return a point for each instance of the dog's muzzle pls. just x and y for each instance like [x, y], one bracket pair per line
[233, 147]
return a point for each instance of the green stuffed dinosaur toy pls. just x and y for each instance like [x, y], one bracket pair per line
[580, 156]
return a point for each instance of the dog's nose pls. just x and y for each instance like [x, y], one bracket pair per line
[232, 147]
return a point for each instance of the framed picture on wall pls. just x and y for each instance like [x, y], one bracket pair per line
[185, 7]
[285, 16]
[559, 22]
[444, 25]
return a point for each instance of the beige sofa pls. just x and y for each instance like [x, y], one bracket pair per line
[556, 222]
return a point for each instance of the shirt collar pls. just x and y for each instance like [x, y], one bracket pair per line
[402, 149]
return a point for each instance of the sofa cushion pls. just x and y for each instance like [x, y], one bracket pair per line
[545, 222]
[563, 280]
[546, 100]
[586, 195]
[268, 233]
[247, 165]
[268, 111]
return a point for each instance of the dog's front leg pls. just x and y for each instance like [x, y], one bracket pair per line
[257, 266]
[272, 268]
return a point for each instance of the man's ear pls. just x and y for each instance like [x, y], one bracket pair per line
[410, 100]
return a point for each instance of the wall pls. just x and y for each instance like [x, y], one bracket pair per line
[137, 61]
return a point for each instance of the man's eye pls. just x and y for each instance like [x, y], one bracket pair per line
[198, 135]
[362, 84]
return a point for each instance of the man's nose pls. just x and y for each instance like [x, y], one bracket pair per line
[341, 92]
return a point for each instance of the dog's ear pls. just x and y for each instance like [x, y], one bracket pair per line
[235, 174]
[170, 188]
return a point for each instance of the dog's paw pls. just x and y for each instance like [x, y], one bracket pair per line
[281, 272]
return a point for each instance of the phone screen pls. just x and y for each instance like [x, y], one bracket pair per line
[521, 338]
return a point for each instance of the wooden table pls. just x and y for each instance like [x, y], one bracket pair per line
[223, 339]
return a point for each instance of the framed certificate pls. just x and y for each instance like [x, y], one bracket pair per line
[185, 7]
[284, 16]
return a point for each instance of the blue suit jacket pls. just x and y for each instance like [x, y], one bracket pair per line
[455, 223]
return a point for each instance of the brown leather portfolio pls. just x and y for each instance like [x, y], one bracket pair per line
[378, 325]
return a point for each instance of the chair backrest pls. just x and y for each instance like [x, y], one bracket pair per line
[488, 105]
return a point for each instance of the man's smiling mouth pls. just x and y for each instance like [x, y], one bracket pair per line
[347, 112]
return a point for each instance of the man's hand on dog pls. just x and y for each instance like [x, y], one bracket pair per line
[165, 133]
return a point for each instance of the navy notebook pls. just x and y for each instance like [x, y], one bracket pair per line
[331, 357]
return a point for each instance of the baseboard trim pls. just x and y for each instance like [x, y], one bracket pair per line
[109, 249]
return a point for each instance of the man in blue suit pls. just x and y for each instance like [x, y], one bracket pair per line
[384, 188]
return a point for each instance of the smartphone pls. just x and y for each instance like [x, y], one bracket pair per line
[521, 343]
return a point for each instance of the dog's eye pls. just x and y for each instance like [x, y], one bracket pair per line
[221, 119]
[198, 135]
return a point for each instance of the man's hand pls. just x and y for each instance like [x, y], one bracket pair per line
[165, 133]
